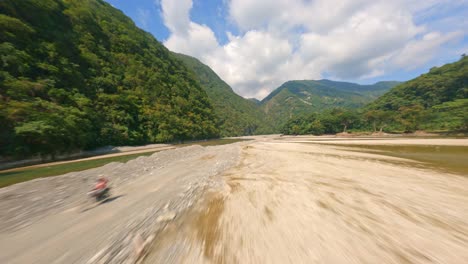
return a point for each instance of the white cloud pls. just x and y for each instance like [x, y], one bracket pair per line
[253, 60]
[301, 39]
[256, 14]
[417, 52]
[176, 15]
[197, 40]
[353, 49]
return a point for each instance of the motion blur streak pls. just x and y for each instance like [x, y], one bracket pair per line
[290, 202]
[268, 200]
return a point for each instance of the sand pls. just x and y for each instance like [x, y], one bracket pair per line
[269, 200]
[290, 202]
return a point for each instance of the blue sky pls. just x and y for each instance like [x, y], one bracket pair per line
[255, 46]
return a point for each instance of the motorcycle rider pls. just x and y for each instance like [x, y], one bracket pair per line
[101, 184]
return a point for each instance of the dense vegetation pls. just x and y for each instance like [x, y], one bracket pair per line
[236, 116]
[330, 121]
[79, 74]
[298, 98]
[436, 101]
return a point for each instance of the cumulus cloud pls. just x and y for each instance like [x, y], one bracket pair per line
[301, 39]
[417, 52]
[353, 49]
[250, 62]
[176, 15]
[197, 40]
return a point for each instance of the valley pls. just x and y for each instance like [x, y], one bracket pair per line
[241, 202]
[144, 143]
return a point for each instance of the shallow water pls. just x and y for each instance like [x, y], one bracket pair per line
[214, 142]
[452, 159]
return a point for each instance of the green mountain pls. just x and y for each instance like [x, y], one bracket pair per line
[370, 90]
[295, 98]
[79, 74]
[236, 116]
[437, 100]
[254, 100]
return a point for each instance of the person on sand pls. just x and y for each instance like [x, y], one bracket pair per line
[101, 184]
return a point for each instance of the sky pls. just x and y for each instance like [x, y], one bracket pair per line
[256, 45]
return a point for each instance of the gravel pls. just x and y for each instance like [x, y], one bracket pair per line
[24, 204]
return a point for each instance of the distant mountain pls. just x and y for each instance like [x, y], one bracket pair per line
[371, 90]
[237, 116]
[255, 100]
[437, 100]
[79, 74]
[305, 96]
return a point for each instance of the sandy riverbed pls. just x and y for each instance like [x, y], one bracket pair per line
[51, 220]
[269, 200]
[290, 202]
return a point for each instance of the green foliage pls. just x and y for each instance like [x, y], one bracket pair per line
[436, 100]
[79, 74]
[298, 98]
[451, 116]
[327, 122]
[378, 119]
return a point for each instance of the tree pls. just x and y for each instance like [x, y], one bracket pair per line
[415, 104]
[451, 115]
[79, 74]
[347, 118]
[411, 117]
[316, 127]
[378, 118]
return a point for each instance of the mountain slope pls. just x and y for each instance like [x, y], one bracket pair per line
[435, 100]
[302, 97]
[236, 116]
[80, 74]
[370, 90]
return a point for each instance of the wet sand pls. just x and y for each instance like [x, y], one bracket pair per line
[290, 202]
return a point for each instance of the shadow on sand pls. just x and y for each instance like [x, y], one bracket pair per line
[108, 200]
[111, 199]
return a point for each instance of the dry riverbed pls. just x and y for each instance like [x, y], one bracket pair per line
[51, 220]
[269, 200]
[289, 202]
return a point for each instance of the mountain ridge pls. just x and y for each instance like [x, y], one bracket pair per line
[298, 97]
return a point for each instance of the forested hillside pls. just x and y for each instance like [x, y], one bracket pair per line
[79, 74]
[236, 116]
[297, 98]
[437, 100]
